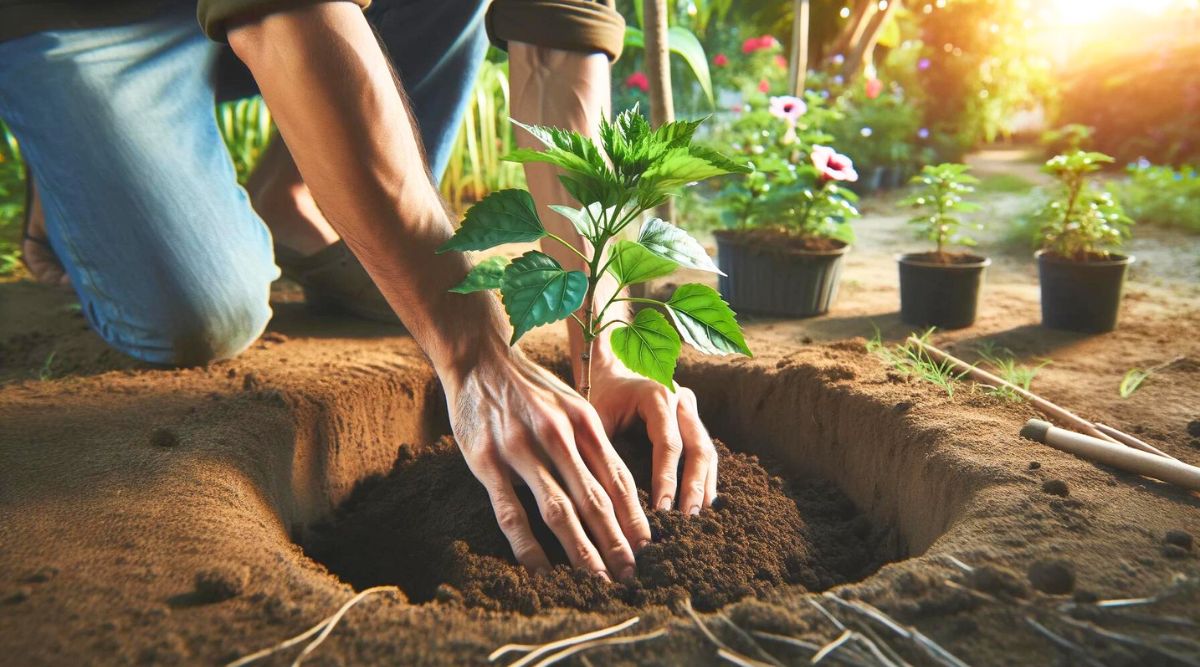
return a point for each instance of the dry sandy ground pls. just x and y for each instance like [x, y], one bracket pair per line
[148, 516]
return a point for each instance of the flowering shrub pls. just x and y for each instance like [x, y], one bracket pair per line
[1160, 195]
[1082, 222]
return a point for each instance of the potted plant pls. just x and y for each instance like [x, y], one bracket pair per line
[1081, 279]
[787, 220]
[638, 170]
[941, 288]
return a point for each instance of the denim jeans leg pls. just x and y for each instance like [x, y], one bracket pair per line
[171, 264]
[437, 47]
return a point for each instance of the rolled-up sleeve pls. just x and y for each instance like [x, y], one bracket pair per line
[214, 15]
[570, 25]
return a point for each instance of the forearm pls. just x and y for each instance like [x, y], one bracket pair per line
[566, 89]
[338, 107]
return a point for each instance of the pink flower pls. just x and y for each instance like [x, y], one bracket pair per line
[781, 62]
[874, 88]
[639, 81]
[763, 86]
[833, 166]
[720, 60]
[788, 108]
[759, 43]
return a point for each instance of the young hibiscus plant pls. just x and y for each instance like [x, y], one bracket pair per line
[637, 172]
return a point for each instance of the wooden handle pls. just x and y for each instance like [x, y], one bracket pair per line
[1115, 455]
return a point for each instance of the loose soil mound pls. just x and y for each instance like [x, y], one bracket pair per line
[428, 528]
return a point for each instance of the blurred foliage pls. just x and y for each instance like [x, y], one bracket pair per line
[12, 201]
[486, 135]
[1141, 93]
[246, 127]
[1162, 195]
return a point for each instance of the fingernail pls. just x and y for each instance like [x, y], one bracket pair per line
[627, 574]
[694, 510]
[642, 545]
[665, 503]
[604, 575]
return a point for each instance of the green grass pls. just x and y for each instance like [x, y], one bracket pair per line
[1004, 364]
[12, 201]
[912, 361]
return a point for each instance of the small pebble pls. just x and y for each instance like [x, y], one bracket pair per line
[250, 382]
[1193, 428]
[903, 406]
[1180, 538]
[1056, 577]
[19, 595]
[164, 437]
[1034, 465]
[1174, 551]
[1056, 487]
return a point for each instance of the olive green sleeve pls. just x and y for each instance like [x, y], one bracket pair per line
[570, 25]
[215, 14]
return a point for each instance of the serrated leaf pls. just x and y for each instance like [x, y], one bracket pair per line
[678, 166]
[670, 242]
[632, 263]
[705, 321]
[648, 346]
[536, 290]
[484, 276]
[504, 216]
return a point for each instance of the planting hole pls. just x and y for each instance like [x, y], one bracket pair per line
[807, 499]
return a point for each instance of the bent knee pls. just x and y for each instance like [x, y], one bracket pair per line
[192, 331]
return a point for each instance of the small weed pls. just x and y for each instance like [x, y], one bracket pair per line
[46, 372]
[912, 361]
[1136, 376]
[1004, 364]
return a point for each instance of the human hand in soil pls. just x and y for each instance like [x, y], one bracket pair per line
[673, 423]
[515, 421]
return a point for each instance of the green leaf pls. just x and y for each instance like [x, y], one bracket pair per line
[505, 216]
[585, 220]
[670, 242]
[484, 276]
[536, 291]
[632, 263]
[683, 43]
[680, 166]
[705, 321]
[648, 346]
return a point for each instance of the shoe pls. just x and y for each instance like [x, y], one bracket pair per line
[335, 282]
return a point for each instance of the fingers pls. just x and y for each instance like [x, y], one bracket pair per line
[591, 500]
[510, 514]
[662, 425]
[699, 457]
[559, 514]
[612, 473]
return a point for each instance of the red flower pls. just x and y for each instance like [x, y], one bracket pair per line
[763, 86]
[759, 43]
[781, 62]
[720, 60]
[874, 88]
[833, 166]
[639, 81]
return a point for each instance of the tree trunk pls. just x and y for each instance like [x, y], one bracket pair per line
[658, 70]
[798, 66]
[863, 10]
[863, 50]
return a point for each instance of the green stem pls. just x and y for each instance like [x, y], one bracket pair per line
[569, 246]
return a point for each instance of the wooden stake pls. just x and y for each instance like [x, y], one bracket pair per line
[1115, 455]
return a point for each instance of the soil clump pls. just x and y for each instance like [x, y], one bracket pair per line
[428, 527]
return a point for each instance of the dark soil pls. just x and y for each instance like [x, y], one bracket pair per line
[944, 258]
[428, 528]
[779, 240]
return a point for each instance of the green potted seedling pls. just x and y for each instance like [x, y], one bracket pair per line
[643, 168]
[1081, 279]
[941, 288]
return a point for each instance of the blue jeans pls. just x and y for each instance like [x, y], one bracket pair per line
[171, 264]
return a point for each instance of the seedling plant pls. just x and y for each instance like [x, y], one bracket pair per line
[637, 171]
[1083, 222]
[910, 360]
[940, 200]
[1004, 364]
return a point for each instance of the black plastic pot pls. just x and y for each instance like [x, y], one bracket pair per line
[940, 295]
[782, 282]
[1081, 296]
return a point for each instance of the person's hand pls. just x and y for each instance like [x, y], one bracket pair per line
[673, 424]
[514, 421]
